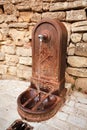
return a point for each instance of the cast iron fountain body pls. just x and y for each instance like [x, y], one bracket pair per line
[46, 93]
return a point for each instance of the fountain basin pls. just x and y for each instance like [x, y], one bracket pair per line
[38, 106]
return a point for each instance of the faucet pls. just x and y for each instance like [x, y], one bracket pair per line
[41, 37]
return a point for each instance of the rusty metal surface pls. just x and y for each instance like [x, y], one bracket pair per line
[19, 125]
[49, 40]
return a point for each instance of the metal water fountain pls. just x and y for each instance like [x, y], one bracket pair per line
[47, 91]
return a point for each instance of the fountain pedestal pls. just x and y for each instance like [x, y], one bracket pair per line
[46, 93]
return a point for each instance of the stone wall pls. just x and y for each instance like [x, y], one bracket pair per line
[17, 19]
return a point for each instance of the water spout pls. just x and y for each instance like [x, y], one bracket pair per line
[43, 37]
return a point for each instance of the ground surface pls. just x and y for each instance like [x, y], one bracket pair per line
[71, 116]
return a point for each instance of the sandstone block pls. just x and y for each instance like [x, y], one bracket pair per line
[3, 25]
[79, 72]
[7, 42]
[81, 49]
[8, 49]
[36, 5]
[11, 59]
[10, 18]
[24, 72]
[46, 6]
[69, 78]
[71, 49]
[3, 69]
[2, 18]
[16, 35]
[25, 16]
[85, 37]
[75, 15]
[30, 5]
[9, 77]
[76, 61]
[20, 51]
[79, 29]
[18, 25]
[2, 56]
[72, 4]
[25, 60]
[76, 37]
[4, 32]
[28, 35]
[12, 70]
[16, 1]
[81, 83]
[1, 36]
[23, 5]
[9, 8]
[36, 17]
[57, 15]
[79, 26]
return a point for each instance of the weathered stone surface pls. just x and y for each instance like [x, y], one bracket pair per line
[79, 29]
[76, 37]
[8, 49]
[37, 5]
[25, 60]
[79, 72]
[69, 78]
[3, 69]
[67, 5]
[10, 18]
[46, 6]
[25, 16]
[16, 1]
[20, 51]
[57, 15]
[2, 56]
[2, 18]
[9, 8]
[76, 61]
[7, 42]
[18, 25]
[30, 5]
[16, 35]
[71, 49]
[11, 59]
[24, 72]
[12, 70]
[79, 26]
[18, 43]
[1, 36]
[4, 25]
[75, 15]
[81, 83]
[85, 37]
[80, 23]
[36, 17]
[4, 32]
[28, 35]
[81, 49]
